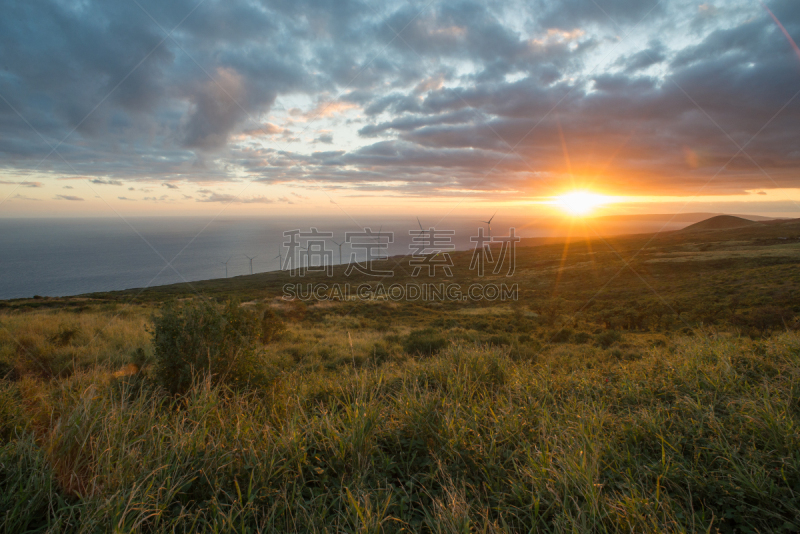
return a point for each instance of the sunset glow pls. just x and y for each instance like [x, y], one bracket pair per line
[579, 203]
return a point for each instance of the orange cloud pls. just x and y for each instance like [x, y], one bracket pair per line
[265, 129]
[323, 109]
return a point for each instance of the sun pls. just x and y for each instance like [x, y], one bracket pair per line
[578, 203]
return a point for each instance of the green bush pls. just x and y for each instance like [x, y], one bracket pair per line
[425, 342]
[205, 338]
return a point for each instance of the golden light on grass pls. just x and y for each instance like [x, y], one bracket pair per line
[579, 203]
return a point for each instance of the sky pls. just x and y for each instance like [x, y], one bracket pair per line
[337, 106]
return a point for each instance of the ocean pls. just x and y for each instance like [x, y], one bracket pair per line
[61, 257]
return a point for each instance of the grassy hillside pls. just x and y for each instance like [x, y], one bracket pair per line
[639, 384]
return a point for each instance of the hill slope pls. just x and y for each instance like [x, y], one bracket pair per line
[720, 222]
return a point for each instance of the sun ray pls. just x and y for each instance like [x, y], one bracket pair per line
[563, 256]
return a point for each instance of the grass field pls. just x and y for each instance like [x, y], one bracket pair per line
[618, 394]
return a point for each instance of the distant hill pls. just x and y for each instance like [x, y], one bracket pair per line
[673, 217]
[720, 222]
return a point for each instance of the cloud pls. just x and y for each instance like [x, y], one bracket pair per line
[126, 198]
[68, 197]
[67, 187]
[216, 109]
[643, 59]
[23, 184]
[169, 186]
[23, 197]
[227, 198]
[264, 129]
[324, 108]
[471, 96]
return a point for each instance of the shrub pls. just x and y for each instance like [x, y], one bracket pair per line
[64, 335]
[528, 352]
[562, 336]
[500, 340]
[660, 341]
[205, 338]
[764, 318]
[380, 353]
[581, 337]
[425, 342]
[608, 338]
[12, 417]
[272, 328]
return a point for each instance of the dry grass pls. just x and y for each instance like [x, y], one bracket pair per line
[696, 435]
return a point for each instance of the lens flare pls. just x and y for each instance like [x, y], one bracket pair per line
[578, 203]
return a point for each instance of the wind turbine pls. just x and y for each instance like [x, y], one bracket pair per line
[421, 229]
[251, 261]
[489, 224]
[379, 234]
[225, 263]
[308, 259]
[340, 249]
[280, 257]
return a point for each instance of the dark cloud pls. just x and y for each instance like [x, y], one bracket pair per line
[216, 109]
[571, 14]
[169, 185]
[68, 197]
[102, 181]
[643, 59]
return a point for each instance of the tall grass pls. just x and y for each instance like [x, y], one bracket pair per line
[699, 436]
